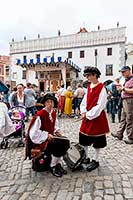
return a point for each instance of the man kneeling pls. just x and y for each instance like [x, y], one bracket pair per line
[41, 135]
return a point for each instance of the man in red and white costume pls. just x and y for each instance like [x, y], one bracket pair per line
[41, 135]
[94, 125]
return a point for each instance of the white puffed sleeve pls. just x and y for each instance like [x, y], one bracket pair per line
[101, 104]
[36, 135]
[57, 128]
[83, 104]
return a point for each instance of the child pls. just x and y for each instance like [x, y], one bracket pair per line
[94, 125]
[16, 115]
[42, 129]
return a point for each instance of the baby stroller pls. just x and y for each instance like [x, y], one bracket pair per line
[17, 115]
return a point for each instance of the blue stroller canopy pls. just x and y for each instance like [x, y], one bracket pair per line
[3, 87]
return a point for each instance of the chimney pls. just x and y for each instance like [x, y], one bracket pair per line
[98, 27]
[117, 24]
[38, 36]
[24, 37]
[12, 39]
[59, 33]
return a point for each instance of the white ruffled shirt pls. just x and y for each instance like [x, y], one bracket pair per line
[38, 136]
[96, 110]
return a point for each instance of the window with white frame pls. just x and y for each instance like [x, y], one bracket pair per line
[14, 75]
[82, 54]
[24, 74]
[109, 70]
[109, 51]
[70, 54]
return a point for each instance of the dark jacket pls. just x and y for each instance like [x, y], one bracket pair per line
[14, 100]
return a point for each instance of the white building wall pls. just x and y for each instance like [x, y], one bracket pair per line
[130, 55]
[60, 46]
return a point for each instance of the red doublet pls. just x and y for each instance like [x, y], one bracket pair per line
[99, 125]
[46, 125]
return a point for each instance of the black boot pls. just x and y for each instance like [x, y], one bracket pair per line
[93, 165]
[61, 169]
[55, 171]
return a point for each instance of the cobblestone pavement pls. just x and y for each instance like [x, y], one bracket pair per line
[113, 180]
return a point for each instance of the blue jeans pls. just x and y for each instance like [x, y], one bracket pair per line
[116, 107]
[30, 109]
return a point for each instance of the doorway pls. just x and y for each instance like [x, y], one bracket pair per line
[41, 86]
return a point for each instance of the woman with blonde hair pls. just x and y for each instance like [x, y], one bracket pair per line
[68, 101]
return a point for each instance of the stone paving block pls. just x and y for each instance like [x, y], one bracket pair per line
[126, 184]
[99, 193]
[77, 191]
[108, 184]
[11, 176]
[4, 189]
[79, 182]
[24, 196]
[76, 198]
[37, 191]
[88, 187]
[7, 183]
[51, 196]
[109, 191]
[99, 178]
[70, 196]
[107, 177]
[21, 189]
[6, 197]
[86, 196]
[99, 184]
[14, 197]
[65, 184]
[31, 187]
[128, 193]
[71, 188]
[44, 192]
[13, 189]
[23, 181]
[98, 198]
[109, 197]
[118, 197]
[124, 177]
[62, 194]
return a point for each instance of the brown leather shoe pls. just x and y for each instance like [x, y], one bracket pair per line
[128, 141]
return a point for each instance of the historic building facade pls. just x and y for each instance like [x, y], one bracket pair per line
[4, 68]
[32, 60]
[129, 52]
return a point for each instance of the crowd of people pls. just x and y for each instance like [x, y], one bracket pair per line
[88, 104]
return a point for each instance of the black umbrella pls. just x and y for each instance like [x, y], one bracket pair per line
[3, 87]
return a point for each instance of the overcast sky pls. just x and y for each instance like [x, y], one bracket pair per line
[19, 18]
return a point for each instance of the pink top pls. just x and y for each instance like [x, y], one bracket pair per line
[128, 84]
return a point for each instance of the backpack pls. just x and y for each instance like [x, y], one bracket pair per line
[114, 91]
[42, 163]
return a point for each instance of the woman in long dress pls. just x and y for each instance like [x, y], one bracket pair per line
[68, 101]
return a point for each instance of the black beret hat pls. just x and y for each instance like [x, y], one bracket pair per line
[50, 96]
[92, 70]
